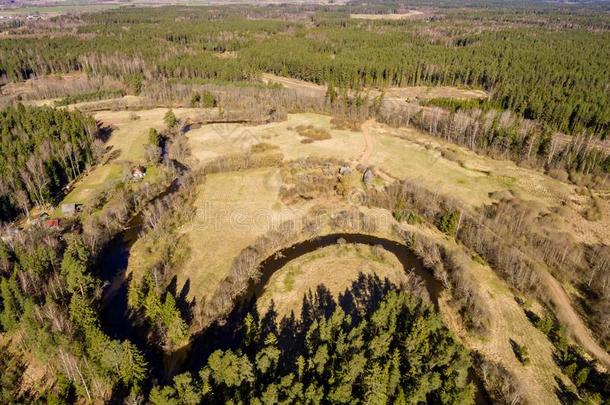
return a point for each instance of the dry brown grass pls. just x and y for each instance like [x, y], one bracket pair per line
[395, 16]
[413, 93]
[508, 321]
[211, 141]
[343, 123]
[312, 134]
[233, 209]
[392, 96]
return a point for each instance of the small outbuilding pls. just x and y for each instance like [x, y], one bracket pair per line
[68, 209]
[368, 176]
[344, 170]
[52, 223]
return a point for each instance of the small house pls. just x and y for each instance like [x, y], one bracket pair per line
[52, 223]
[138, 172]
[68, 209]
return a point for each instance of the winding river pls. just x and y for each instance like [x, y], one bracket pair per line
[119, 324]
[407, 258]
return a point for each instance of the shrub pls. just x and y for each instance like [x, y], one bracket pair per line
[449, 222]
[208, 100]
[545, 325]
[312, 134]
[170, 119]
[520, 352]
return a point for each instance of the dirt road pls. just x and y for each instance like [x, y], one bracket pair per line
[368, 143]
[369, 147]
[303, 87]
[567, 316]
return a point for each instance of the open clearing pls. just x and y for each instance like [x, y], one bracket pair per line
[334, 267]
[396, 16]
[457, 171]
[252, 196]
[392, 96]
[508, 321]
[428, 92]
[215, 140]
[55, 10]
[403, 153]
[233, 209]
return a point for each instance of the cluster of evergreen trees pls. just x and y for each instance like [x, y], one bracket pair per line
[41, 149]
[379, 346]
[591, 383]
[48, 299]
[558, 76]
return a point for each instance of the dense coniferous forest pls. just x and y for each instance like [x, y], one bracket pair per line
[542, 72]
[395, 350]
[41, 150]
[90, 330]
[48, 299]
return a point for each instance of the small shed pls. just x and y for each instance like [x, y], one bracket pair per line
[68, 209]
[343, 170]
[368, 176]
[52, 223]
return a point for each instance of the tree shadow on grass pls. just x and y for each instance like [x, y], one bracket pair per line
[564, 394]
[104, 131]
[359, 301]
[183, 304]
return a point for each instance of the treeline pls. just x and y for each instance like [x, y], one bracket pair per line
[505, 135]
[516, 242]
[591, 384]
[536, 74]
[373, 346]
[556, 76]
[89, 96]
[41, 150]
[158, 254]
[51, 298]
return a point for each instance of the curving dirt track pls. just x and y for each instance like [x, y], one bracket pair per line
[567, 315]
[559, 299]
[368, 142]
